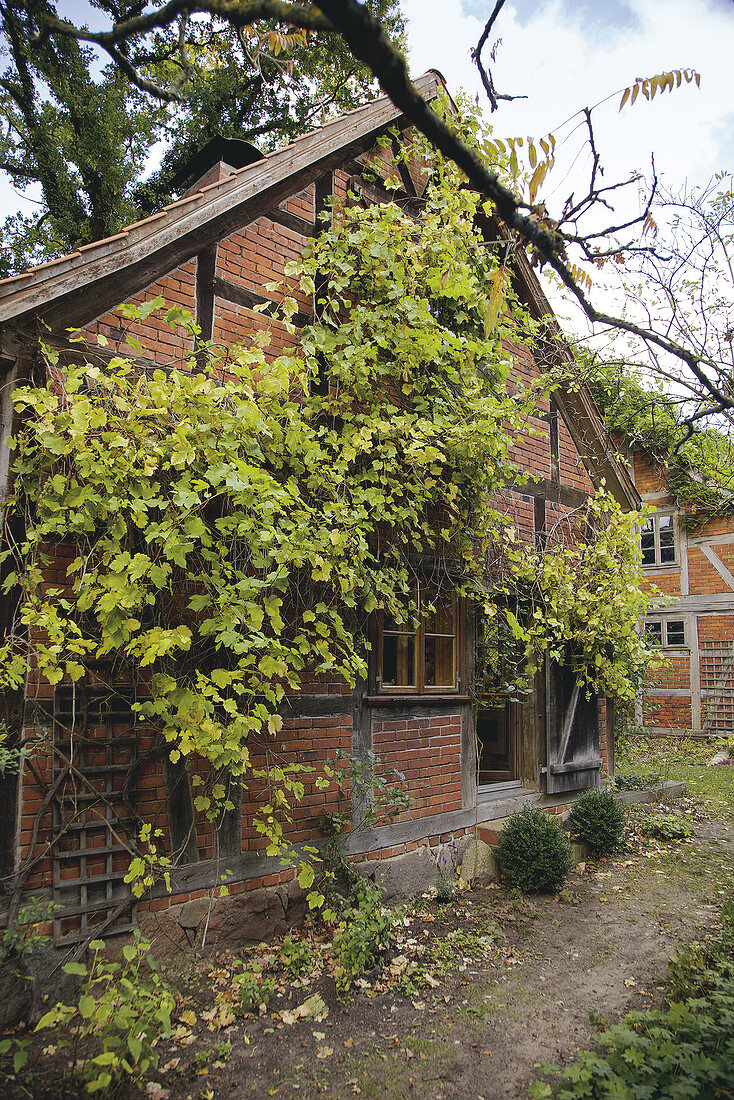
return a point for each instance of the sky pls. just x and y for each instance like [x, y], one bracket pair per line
[568, 54]
[565, 55]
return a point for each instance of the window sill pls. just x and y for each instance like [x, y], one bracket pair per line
[386, 698]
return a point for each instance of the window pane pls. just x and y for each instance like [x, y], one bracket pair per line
[676, 632]
[654, 633]
[439, 654]
[647, 541]
[440, 621]
[398, 660]
[667, 539]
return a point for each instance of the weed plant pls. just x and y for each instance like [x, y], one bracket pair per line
[665, 824]
[109, 1035]
[365, 931]
[296, 956]
[254, 990]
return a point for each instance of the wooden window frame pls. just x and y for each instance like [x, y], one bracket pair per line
[665, 643]
[420, 634]
[654, 520]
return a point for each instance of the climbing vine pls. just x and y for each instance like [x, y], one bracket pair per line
[696, 465]
[235, 519]
[581, 601]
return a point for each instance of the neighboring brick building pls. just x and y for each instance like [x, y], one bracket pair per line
[214, 252]
[690, 557]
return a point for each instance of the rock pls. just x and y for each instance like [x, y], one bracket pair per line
[479, 864]
[721, 758]
[16, 993]
[403, 876]
[579, 852]
[194, 912]
[253, 917]
[293, 899]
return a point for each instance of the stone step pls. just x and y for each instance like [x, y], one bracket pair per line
[491, 832]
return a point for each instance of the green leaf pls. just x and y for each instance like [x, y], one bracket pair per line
[76, 968]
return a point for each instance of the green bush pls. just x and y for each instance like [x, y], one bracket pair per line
[534, 853]
[597, 819]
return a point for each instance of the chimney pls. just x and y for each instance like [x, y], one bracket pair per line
[219, 158]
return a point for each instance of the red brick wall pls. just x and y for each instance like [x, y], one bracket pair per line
[428, 753]
[426, 749]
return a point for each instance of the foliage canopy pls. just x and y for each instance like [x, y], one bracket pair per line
[83, 133]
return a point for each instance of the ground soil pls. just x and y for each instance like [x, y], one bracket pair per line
[527, 980]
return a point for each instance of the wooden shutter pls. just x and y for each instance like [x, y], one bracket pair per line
[572, 730]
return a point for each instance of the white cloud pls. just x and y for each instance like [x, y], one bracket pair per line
[563, 57]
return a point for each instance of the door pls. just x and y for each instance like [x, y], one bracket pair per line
[572, 731]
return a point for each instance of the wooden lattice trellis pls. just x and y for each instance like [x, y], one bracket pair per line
[95, 745]
[717, 687]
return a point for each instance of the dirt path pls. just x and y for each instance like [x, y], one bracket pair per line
[601, 947]
[513, 981]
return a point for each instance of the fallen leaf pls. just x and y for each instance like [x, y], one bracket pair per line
[348, 1042]
[324, 1052]
[319, 1035]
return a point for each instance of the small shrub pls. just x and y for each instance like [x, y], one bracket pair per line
[534, 853]
[597, 819]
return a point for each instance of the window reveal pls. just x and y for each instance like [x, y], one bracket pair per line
[421, 658]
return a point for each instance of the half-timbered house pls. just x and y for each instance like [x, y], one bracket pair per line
[214, 252]
[687, 553]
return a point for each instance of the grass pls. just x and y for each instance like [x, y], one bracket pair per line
[663, 759]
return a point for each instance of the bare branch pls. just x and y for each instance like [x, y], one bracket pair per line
[476, 55]
[238, 13]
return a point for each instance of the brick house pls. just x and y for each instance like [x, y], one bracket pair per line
[690, 558]
[214, 251]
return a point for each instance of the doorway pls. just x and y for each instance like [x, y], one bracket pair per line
[498, 741]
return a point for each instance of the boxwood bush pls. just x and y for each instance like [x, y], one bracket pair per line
[534, 853]
[597, 818]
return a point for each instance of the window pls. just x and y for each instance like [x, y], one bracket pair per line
[668, 632]
[657, 538]
[423, 658]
